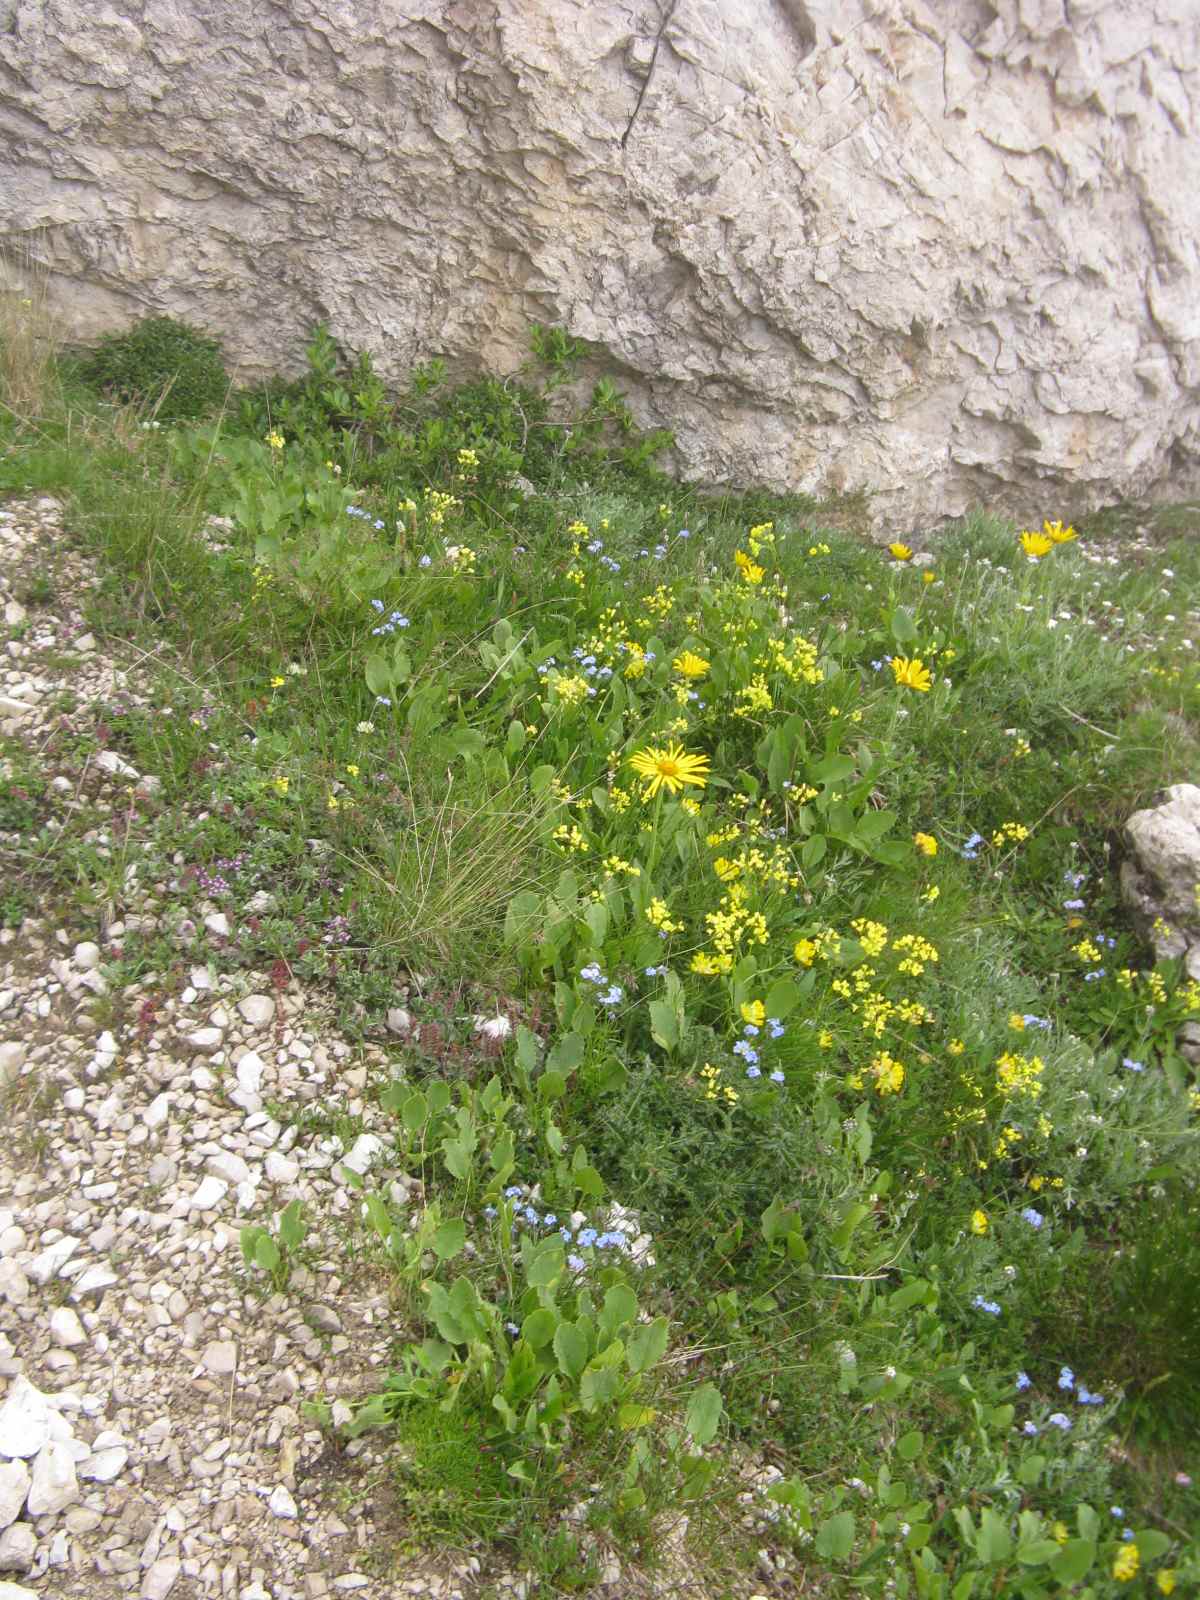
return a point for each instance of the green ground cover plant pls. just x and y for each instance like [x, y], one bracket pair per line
[802, 1133]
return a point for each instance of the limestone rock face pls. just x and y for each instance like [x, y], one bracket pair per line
[946, 251]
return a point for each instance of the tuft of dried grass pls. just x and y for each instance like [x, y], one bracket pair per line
[29, 340]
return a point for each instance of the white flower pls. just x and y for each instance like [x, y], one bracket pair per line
[365, 727]
[497, 1029]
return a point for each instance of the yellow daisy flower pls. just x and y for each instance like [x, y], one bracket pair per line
[670, 768]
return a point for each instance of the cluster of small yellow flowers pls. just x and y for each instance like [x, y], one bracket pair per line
[616, 867]
[734, 924]
[727, 870]
[748, 570]
[689, 665]
[620, 799]
[979, 1223]
[794, 658]
[818, 549]
[461, 557]
[281, 784]
[467, 458]
[353, 769]
[275, 440]
[567, 690]
[925, 843]
[888, 1074]
[438, 506]
[677, 725]
[919, 953]
[1020, 1076]
[659, 604]
[708, 965]
[1010, 833]
[955, 1047]
[754, 697]
[1126, 1563]
[1005, 1141]
[805, 952]
[692, 807]
[911, 674]
[263, 579]
[754, 1012]
[636, 665]
[578, 530]
[1087, 951]
[334, 468]
[576, 577]
[277, 682]
[931, 894]
[1038, 1182]
[723, 835]
[873, 936]
[332, 803]
[659, 916]
[569, 838]
[1161, 929]
[714, 1089]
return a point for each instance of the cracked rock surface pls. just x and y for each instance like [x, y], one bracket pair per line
[946, 252]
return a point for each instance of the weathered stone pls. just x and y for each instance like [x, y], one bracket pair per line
[945, 251]
[14, 1486]
[54, 1485]
[24, 1420]
[18, 1547]
[1159, 880]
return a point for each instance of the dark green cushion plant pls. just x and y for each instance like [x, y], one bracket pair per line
[163, 363]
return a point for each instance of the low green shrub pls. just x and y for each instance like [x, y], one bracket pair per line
[163, 363]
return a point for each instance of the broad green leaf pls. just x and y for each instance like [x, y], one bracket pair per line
[704, 1413]
[904, 629]
[835, 1537]
[551, 1086]
[631, 1416]
[1037, 1552]
[414, 1113]
[782, 998]
[449, 1239]
[994, 1542]
[647, 1344]
[620, 1307]
[567, 1053]
[539, 1327]
[1073, 1561]
[292, 1226]
[570, 1349]
[266, 1252]
[908, 1446]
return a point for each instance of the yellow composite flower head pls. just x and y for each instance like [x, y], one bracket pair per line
[747, 568]
[902, 552]
[912, 674]
[670, 768]
[979, 1223]
[925, 843]
[754, 1012]
[1036, 545]
[1059, 534]
[690, 665]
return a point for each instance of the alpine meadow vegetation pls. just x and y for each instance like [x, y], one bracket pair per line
[804, 1144]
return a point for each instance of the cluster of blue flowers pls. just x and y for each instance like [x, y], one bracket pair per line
[587, 665]
[357, 511]
[750, 1055]
[1032, 1217]
[587, 1238]
[970, 849]
[595, 548]
[394, 620]
[613, 994]
[1059, 1419]
[1133, 1066]
[1031, 1021]
[992, 1307]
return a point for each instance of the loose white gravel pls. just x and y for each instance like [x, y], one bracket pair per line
[152, 1441]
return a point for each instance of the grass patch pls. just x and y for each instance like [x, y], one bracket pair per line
[781, 1161]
